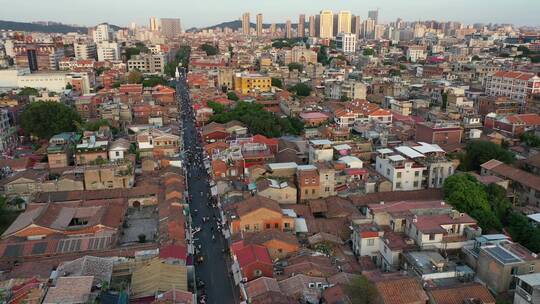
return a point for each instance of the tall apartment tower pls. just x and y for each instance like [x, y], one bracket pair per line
[288, 29]
[312, 27]
[301, 26]
[245, 24]
[326, 24]
[357, 25]
[259, 25]
[102, 33]
[170, 27]
[344, 22]
[154, 24]
[374, 15]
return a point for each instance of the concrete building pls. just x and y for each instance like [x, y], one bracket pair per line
[301, 30]
[170, 27]
[350, 89]
[288, 29]
[102, 33]
[368, 29]
[108, 51]
[515, 85]
[54, 81]
[109, 176]
[416, 53]
[374, 15]
[245, 83]
[7, 132]
[326, 24]
[320, 150]
[259, 25]
[344, 22]
[312, 27]
[37, 56]
[85, 50]
[246, 25]
[346, 43]
[154, 24]
[147, 63]
[527, 289]
[440, 133]
[404, 174]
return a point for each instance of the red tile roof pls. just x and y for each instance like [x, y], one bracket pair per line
[401, 291]
[253, 254]
[459, 293]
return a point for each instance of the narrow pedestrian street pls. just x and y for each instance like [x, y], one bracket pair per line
[211, 261]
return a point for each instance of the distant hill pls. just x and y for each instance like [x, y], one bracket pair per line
[50, 28]
[237, 24]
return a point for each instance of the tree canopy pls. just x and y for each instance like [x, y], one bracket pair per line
[135, 77]
[27, 91]
[481, 151]
[260, 121]
[362, 291]
[368, 52]
[47, 118]
[530, 139]
[232, 96]
[153, 81]
[467, 195]
[209, 49]
[300, 89]
[296, 66]
[181, 57]
[276, 82]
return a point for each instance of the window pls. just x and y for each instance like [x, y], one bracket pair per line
[256, 227]
[286, 225]
[531, 268]
[276, 225]
[388, 171]
[246, 227]
[398, 185]
[312, 191]
[327, 189]
[431, 236]
[415, 184]
[306, 192]
[268, 226]
[371, 242]
[417, 173]
[399, 175]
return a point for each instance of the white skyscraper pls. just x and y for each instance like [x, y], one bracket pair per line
[102, 33]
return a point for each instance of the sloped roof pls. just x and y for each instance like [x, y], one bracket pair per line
[459, 293]
[99, 268]
[253, 254]
[401, 291]
[157, 276]
[256, 202]
[264, 236]
[70, 290]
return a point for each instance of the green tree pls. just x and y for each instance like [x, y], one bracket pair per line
[300, 89]
[276, 82]
[153, 81]
[27, 91]
[467, 195]
[481, 151]
[209, 49]
[322, 55]
[46, 118]
[368, 52]
[530, 139]
[232, 96]
[500, 204]
[69, 86]
[135, 77]
[296, 66]
[475, 58]
[394, 72]
[216, 107]
[8, 215]
[362, 291]
[444, 100]
[181, 58]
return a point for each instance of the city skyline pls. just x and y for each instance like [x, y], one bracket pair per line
[210, 12]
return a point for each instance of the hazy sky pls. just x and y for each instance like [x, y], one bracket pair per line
[208, 12]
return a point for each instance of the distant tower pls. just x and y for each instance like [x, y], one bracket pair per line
[301, 26]
[374, 15]
[326, 24]
[259, 25]
[288, 29]
[245, 24]
[312, 27]
[344, 22]
[154, 25]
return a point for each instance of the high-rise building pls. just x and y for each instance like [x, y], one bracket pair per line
[368, 28]
[101, 33]
[259, 24]
[326, 24]
[346, 42]
[154, 25]
[85, 50]
[312, 26]
[170, 27]
[301, 26]
[379, 30]
[344, 22]
[374, 15]
[37, 56]
[245, 24]
[357, 25]
[108, 51]
[273, 29]
[288, 29]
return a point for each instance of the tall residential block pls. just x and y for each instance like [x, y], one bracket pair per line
[326, 24]
[301, 25]
[344, 22]
[288, 29]
[245, 24]
[259, 24]
[170, 27]
[374, 15]
[154, 24]
[312, 27]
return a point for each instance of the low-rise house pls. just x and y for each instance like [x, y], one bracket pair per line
[524, 185]
[70, 290]
[461, 293]
[24, 184]
[109, 176]
[320, 150]
[278, 243]
[282, 191]
[156, 276]
[253, 261]
[404, 290]
[258, 213]
[431, 266]
[156, 143]
[498, 262]
[118, 149]
[527, 289]
[512, 125]
[60, 150]
[303, 287]
[315, 181]
[91, 150]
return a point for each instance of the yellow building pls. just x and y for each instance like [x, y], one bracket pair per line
[326, 24]
[251, 83]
